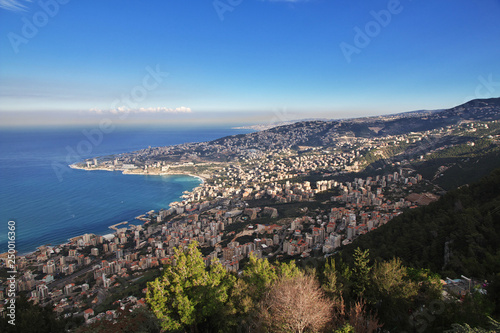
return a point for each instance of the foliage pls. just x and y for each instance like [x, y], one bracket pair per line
[429, 286]
[238, 312]
[389, 151]
[27, 314]
[473, 309]
[457, 328]
[461, 170]
[458, 235]
[288, 270]
[188, 293]
[347, 328]
[360, 272]
[465, 150]
[467, 220]
[392, 291]
[259, 275]
[362, 289]
[336, 277]
[389, 279]
[330, 281]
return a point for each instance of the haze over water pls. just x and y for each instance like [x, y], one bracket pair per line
[48, 209]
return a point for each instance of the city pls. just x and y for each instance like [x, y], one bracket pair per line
[257, 205]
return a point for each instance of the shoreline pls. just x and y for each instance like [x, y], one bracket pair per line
[124, 172]
[141, 173]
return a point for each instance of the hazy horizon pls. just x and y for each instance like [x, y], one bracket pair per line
[174, 119]
[175, 62]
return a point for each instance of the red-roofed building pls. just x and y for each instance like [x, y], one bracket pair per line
[88, 313]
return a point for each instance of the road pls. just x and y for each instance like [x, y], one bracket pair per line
[60, 283]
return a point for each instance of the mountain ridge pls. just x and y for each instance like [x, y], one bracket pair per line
[478, 109]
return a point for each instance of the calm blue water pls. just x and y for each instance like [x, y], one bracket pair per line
[52, 203]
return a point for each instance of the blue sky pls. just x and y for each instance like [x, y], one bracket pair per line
[316, 58]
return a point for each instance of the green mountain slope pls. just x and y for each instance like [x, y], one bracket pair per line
[459, 234]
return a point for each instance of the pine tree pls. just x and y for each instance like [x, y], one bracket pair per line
[360, 272]
[188, 293]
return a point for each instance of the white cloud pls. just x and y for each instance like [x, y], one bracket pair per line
[98, 111]
[14, 5]
[181, 109]
[161, 109]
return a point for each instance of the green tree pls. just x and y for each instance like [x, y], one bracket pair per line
[259, 274]
[288, 270]
[330, 279]
[393, 292]
[360, 272]
[389, 278]
[188, 293]
[429, 283]
[238, 311]
[336, 278]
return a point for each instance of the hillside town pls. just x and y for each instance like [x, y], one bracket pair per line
[280, 204]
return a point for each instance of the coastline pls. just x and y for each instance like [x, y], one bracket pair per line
[202, 178]
[201, 174]
[125, 172]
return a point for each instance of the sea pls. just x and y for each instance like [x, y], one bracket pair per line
[51, 203]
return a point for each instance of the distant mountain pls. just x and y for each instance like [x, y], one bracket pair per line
[263, 127]
[311, 134]
[477, 109]
[324, 133]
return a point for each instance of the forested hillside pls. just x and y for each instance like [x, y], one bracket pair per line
[459, 234]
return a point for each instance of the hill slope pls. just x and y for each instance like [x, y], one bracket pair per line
[323, 133]
[459, 234]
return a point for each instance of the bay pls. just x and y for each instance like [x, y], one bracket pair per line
[51, 202]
